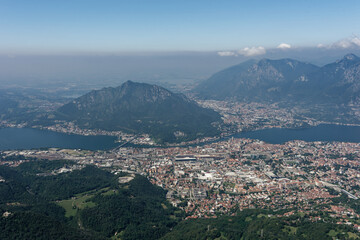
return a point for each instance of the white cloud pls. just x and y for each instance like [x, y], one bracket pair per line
[253, 51]
[356, 41]
[227, 54]
[347, 43]
[284, 46]
[343, 44]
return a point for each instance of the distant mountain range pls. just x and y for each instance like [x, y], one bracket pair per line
[287, 80]
[141, 108]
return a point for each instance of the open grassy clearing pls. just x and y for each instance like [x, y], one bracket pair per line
[80, 201]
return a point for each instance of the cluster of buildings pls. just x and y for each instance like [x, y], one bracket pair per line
[255, 116]
[226, 176]
[122, 137]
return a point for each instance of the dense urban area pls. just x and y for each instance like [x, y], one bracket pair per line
[236, 174]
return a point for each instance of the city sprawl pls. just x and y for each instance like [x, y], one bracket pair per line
[235, 174]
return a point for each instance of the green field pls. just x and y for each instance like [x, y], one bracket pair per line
[353, 235]
[71, 206]
[80, 201]
[109, 192]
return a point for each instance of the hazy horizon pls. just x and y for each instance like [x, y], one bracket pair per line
[91, 43]
[96, 71]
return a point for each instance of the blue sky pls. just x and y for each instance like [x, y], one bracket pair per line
[41, 26]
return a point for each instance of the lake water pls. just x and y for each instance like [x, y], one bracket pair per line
[28, 138]
[323, 132]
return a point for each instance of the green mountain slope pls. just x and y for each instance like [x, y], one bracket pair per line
[141, 108]
[256, 224]
[82, 204]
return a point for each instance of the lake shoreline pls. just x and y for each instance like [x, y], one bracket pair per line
[32, 138]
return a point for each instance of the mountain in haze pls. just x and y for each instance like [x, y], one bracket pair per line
[286, 80]
[339, 82]
[141, 108]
